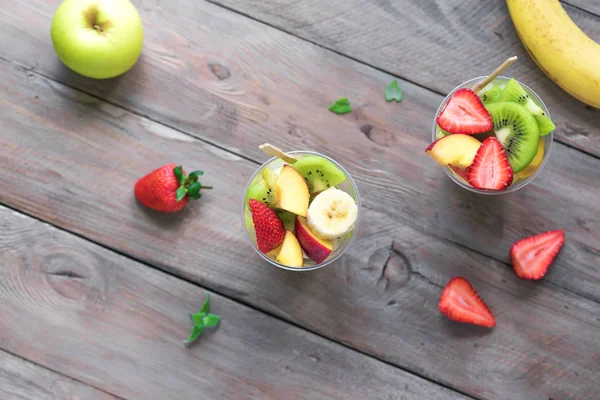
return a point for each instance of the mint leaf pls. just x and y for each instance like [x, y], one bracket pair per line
[340, 106]
[180, 193]
[195, 334]
[206, 306]
[178, 173]
[202, 320]
[211, 320]
[393, 92]
[199, 318]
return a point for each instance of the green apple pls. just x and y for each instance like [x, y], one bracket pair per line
[97, 38]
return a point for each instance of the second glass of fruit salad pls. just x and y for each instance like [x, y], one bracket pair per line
[495, 141]
[303, 215]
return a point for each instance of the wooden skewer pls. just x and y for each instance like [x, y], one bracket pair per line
[480, 85]
[276, 152]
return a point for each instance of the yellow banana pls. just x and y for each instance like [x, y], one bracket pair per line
[557, 45]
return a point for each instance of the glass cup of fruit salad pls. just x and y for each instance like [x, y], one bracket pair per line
[301, 213]
[494, 141]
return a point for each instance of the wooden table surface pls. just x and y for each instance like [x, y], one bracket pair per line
[96, 290]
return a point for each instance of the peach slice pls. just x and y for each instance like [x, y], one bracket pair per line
[291, 252]
[275, 252]
[291, 192]
[456, 151]
[315, 248]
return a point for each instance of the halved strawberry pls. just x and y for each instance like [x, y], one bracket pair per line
[532, 256]
[267, 225]
[490, 168]
[465, 113]
[461, 303]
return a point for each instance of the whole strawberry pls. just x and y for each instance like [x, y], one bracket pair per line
[168, 189]
[267, 225]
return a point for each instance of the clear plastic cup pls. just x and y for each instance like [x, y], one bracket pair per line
[340, 245]
[516, 185]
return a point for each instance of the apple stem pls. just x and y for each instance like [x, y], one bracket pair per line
[98, 28]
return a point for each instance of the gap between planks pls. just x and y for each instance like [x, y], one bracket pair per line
[220, 293]
[382, 70]
[208, 142]
[26, 360]
[580, 8]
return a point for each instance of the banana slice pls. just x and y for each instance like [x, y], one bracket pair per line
[332, 214]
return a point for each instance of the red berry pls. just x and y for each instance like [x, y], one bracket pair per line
[168, 188]
[490, 168]
[465, 113]
[461, 303]
[267, 225]
[531, 257]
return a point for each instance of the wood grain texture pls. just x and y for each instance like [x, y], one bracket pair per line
[240, 88]
[106, 320]
[591, 6]
[23, 380]
[436, 43]
[381, 298]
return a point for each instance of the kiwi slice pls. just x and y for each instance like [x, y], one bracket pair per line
[482, 136]
[248, 221]
[517, 130]
[441, 133]
[516, 93]
[534, 165]
[491, 95]
[262, 192]
[288, 219]
[319, 173]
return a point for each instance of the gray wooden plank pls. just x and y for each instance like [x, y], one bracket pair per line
[23, 380]
[220, 85]
[591, 6]
[82, 310]
[372, 300]
[435, 43]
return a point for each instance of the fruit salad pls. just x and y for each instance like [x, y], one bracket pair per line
[301, 215]
[492, 141]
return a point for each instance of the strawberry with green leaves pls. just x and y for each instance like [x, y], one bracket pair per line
[168, 188]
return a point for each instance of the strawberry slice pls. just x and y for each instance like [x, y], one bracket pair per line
[461, 303]
[267, 225]
[490, 168]
[465, 113]
[532, 256]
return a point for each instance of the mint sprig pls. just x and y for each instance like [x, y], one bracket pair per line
[340, 106]
[202, 320]
[393, 92]
[189, 184]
